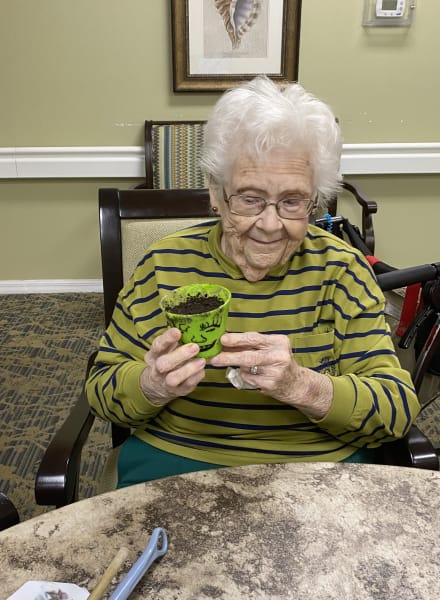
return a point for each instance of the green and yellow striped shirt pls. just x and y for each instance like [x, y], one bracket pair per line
[325, 299]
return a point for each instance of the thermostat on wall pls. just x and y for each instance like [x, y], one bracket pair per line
[390, 8]
[388, 13]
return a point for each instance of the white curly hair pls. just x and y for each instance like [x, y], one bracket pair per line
[256, 117]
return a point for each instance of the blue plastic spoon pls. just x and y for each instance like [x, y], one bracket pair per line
[157, 546]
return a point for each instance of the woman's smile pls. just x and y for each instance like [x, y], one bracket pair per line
[266, 242]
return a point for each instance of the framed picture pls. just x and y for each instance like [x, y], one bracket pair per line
[218, 44]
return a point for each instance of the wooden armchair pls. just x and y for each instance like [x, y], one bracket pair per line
[172, 151]
[8, 513]
[130, 220]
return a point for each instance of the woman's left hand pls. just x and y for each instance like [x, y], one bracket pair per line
[266, 361]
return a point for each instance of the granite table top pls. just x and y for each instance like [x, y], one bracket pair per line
[301, 530]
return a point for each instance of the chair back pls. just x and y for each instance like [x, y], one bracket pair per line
[130, 220]
[172, 153]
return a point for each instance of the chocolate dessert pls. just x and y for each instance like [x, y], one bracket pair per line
[194, 305]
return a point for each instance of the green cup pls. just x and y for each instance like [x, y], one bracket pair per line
[184, 309]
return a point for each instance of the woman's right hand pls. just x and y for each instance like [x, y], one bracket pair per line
[171, 368]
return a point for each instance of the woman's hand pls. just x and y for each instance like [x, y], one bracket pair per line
[171, 369]
[266, 361]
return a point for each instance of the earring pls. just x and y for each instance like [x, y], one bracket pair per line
[214, 209]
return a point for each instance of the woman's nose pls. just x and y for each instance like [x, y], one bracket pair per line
[269, 219]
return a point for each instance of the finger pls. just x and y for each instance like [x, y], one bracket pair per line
[187, 375]
[251, 380]
[177, 358]
[275, 358]
[242, 341]
[161, 388]
[252, 340]
[246, 358]
[166, 342]
[167, 354]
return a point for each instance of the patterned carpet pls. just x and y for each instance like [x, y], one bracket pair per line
[45, 342]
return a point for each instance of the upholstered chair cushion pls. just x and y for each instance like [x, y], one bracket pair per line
[175, 154]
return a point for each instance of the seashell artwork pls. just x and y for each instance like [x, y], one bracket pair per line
[238, 17]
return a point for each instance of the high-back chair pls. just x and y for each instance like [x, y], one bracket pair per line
[130, 220]
[172, 153]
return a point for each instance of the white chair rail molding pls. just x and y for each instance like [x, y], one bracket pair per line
[128, 161]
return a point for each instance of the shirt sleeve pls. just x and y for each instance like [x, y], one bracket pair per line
[374, 399]
[113, 386]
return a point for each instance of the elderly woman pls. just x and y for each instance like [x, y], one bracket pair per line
[306, 324]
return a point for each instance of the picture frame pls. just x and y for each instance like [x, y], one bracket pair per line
[212, 51]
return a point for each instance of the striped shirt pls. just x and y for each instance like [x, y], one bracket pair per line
[325, 299]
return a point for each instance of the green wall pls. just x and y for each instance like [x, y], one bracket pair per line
[383, 83]
[49, 228]
[89, 73]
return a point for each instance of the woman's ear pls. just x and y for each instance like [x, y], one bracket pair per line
[215, 195]
[315, 205]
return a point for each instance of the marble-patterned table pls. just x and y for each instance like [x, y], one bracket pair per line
[318, 531]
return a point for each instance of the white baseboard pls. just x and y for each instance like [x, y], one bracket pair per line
[50, 286]
[128, 161]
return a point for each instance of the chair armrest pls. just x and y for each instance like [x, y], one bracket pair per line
[369, 207]
[413, 450]
[8, 513]
[57, 479]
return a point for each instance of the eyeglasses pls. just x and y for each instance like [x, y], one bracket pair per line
[287, 208]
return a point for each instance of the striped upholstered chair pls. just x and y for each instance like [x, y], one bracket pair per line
[172, 151]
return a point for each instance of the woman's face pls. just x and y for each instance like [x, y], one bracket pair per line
[259, 243]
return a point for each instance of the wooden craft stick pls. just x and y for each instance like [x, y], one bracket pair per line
[110, 572]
